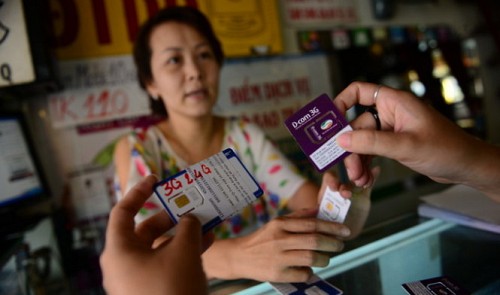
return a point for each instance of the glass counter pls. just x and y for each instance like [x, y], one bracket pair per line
[408, 249]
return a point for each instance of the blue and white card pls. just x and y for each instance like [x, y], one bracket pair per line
[213, 190]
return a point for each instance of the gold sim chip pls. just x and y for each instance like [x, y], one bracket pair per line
[332, 210]
[186, 201]
[329, 206]
[181, 201]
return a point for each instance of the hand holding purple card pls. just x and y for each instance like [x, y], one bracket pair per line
[315, 127]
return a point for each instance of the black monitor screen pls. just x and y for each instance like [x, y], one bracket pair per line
[18, 177]
[22, 189]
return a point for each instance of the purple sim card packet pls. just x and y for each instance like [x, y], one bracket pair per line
[439, 285]
[315, 127]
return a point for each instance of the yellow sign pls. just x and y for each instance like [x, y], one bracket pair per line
[245, 27]
[86, 29]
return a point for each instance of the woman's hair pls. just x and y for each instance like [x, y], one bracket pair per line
[142, 50]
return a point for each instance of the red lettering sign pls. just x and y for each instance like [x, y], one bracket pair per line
[100, 105]
[175, 184]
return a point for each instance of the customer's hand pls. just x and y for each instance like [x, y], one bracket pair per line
[418, 137]
[132, 265]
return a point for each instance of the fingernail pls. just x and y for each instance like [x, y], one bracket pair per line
[344, 140]
[346, 193]
[359, 183]
[348, 170]
[345, 232]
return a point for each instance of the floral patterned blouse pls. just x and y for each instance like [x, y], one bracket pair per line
[278, 177]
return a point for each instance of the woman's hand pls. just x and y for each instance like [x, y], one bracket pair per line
[360, 200]
[331, 180]
[285, 249]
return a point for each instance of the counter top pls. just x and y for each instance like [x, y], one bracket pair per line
[408, 249]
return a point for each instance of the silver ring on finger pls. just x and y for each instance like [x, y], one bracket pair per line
[376, 93]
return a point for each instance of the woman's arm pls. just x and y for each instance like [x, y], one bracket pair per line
[122, 162]
[306, 197]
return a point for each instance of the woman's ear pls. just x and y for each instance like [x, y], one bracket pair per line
[152, 91]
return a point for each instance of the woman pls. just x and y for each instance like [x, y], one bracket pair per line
[178, 59]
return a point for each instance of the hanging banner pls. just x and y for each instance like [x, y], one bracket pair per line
[89, 29]
[97, 90]
[302, 12]
[268, 90]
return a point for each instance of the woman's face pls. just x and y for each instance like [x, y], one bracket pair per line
[185, 71]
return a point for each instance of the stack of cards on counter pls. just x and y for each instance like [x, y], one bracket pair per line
[315, 127]
[314, 286]
[213, 190]
[440, 285]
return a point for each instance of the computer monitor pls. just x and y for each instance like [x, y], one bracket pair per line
[24, 194]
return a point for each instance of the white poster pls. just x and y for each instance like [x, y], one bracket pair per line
[97, 90]
[268, 90]
[16, 65]
[90, 194]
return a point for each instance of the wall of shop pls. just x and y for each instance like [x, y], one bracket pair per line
[277, 66]
[99, 99]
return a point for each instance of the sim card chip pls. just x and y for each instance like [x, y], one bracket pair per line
[186, 201]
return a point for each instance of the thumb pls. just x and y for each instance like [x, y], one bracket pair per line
[188, 234]
[371, 142]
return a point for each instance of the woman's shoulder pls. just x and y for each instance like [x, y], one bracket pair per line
[242, 132]
[144, 133]
[144, 127]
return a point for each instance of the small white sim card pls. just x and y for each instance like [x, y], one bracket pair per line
[333, 206]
